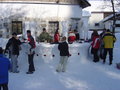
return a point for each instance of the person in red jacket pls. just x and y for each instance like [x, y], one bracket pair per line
[71, 37]
[95, 47]
[56, 37]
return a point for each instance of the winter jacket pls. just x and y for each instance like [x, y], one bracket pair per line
[71, 37]
[31, 41]
[56, 37]
[13, 45]
[4, 67]
[108, 40]
[95, 42]
[63, 48]
[44, 36]
[31, 45]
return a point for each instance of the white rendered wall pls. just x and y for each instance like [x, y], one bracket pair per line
[95, 18]
[41, 10]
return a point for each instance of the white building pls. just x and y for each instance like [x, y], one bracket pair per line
[99, 10]
[108, 22]
[21, 15]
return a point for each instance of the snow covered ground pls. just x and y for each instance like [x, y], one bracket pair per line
[81, 74]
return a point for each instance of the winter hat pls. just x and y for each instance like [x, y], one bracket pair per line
[28, 31]
[14, 33]
[44, 29]
[108, 30]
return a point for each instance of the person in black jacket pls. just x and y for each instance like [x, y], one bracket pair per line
[13, 46]
[31, 52]
[64, 54]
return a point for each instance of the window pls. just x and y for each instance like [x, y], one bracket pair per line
[53, 25]
[17, 27]
[117, 25]
[96, 24]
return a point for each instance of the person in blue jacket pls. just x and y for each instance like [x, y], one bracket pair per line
[4, 67]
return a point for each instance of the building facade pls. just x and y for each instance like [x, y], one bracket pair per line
[21, 15]
[108, 22]
[99, 10]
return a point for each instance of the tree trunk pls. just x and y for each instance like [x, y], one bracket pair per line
[114, 19]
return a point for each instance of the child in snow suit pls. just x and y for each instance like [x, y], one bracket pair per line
[64, 54]
[31, 52]
[95, 47]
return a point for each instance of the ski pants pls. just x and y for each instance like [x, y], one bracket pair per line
[110, 50]
[4, 86]
[62, 64]
[14, 63]
[95, 54]
[31, 63]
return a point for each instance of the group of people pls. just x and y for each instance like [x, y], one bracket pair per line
[103, 43]
[13, 48]
[73, 35]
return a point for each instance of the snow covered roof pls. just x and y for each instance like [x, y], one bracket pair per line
[86, 13]
[82, 3]
[110, 17]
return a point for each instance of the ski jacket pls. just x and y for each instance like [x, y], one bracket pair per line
[109, 40]
[44, 36]
[71, 37]
[63, 48]
[31, 45]
[31, 41]
[95, 42]
[13, 46]
[56, 37]
[4, 67]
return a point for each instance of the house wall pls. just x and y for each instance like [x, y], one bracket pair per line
[96, 18]
[33, 15]
[109, 24]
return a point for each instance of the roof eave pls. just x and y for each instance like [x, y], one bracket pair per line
[84, 3]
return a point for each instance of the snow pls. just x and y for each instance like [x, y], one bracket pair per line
[81, 74]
